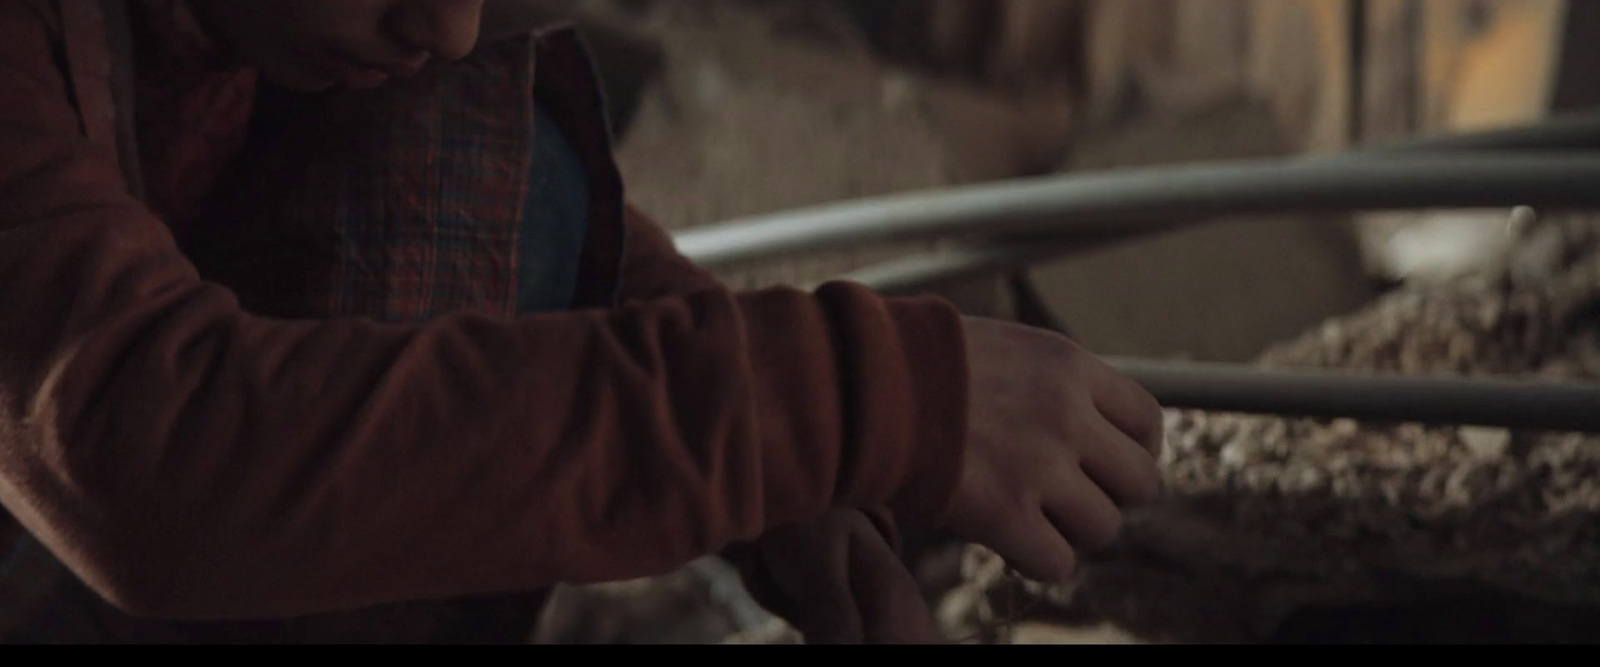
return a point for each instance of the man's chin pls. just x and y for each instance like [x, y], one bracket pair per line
[300, 83]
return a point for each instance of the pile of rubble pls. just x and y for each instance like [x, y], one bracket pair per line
[1269, 515]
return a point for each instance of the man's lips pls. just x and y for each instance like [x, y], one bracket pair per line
[365, 76]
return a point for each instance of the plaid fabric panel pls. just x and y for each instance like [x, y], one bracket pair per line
[400, 204]
[430, 224]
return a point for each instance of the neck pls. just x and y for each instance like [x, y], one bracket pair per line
[181, 32]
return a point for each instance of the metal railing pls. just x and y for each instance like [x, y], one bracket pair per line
[1012, 225]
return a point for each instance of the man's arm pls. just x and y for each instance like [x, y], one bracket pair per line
[837, 579]
[189, 459]
[653, 268]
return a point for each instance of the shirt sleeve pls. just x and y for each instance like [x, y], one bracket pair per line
[189, 459]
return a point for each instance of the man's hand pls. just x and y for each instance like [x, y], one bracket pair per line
[839, 580]
[1058, 442]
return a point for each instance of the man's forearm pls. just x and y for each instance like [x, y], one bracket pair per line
[653, 268]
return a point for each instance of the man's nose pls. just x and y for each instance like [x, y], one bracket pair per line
[447, 29]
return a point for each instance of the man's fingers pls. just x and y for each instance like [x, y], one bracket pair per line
[810, 568]
[1032, 545]
[1121, 468]
[1082, 512]
[887, 597]
[1128, 406]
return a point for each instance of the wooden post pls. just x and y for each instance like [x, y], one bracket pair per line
[958, 31]
[1391, 108]
[1039, 40]
[1125, 39]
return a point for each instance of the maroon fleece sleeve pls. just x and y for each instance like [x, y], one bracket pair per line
[189, 459]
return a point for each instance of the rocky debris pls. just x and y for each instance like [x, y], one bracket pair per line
[704, 603]
[1269, 515]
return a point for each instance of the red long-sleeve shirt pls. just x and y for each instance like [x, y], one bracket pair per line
[187, 458]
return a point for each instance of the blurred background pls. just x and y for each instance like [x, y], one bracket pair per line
[731, 108]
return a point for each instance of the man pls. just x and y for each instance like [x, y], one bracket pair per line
[497, 378]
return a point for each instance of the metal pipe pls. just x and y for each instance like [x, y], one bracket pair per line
[921, 272]
[1577, 131]
[1436, 401]
[1245, 389]
[1093, 203]
[1567, 133]
[1145, 199]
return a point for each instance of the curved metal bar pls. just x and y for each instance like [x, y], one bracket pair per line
[1247, 389]
[1437, 401]
[1145, 199]
[1151, 199]
[1580, 131]
[920, 272]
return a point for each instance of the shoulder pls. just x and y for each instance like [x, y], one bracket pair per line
[32, 37]
[32, 20]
